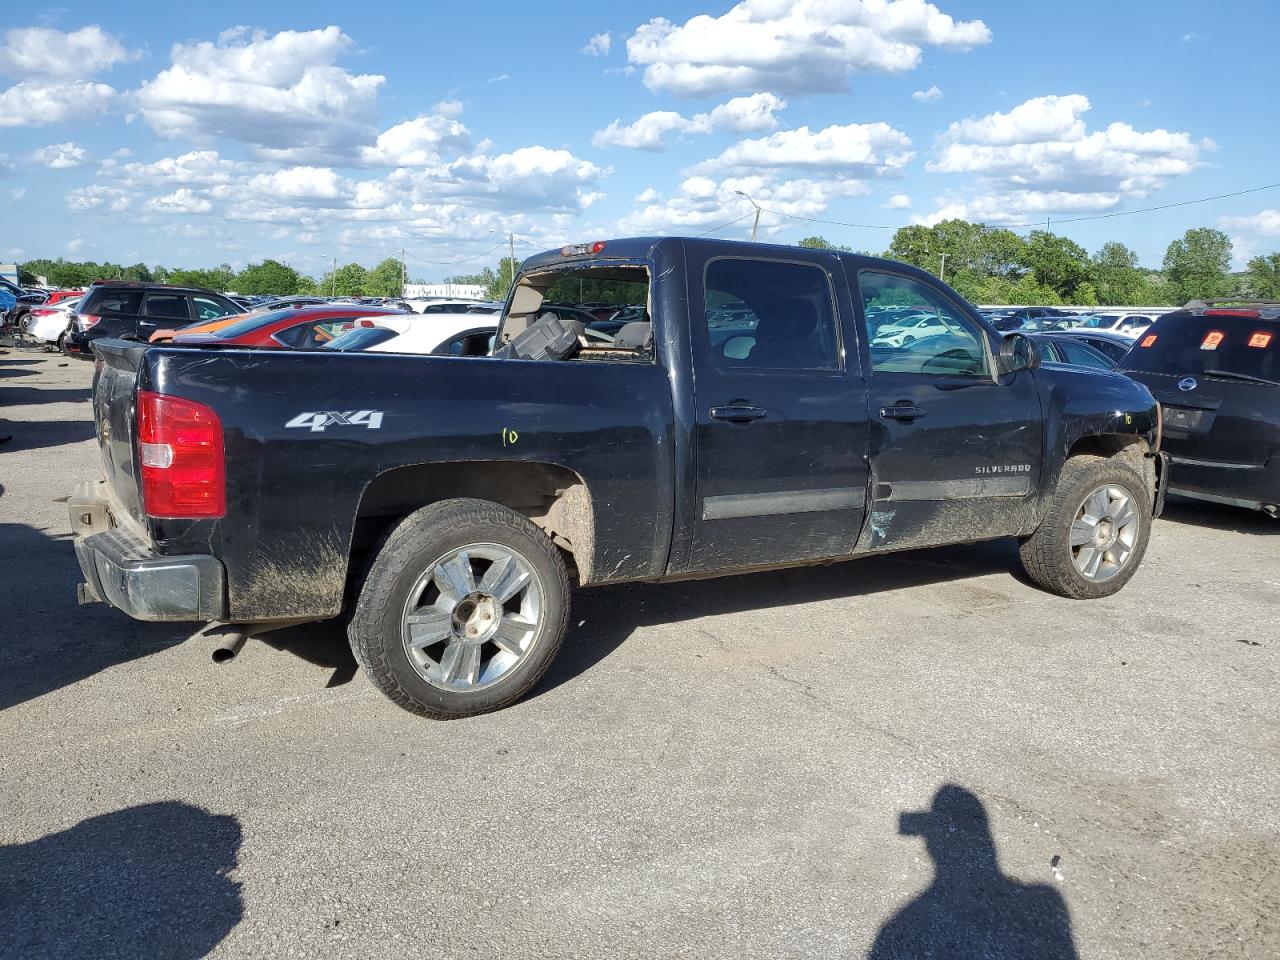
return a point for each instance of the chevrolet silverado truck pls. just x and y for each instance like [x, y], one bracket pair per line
[748, 421]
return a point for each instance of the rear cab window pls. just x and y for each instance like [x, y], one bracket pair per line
[1231, 347]
[544, 293]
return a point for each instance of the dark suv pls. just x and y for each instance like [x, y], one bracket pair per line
[131, 310]
[1215, 368]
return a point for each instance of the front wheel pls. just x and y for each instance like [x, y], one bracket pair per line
[1095, 533]
[462, 610]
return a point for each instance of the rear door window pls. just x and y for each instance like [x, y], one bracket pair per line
[168, 306]
[790, 320]
[1235, 347]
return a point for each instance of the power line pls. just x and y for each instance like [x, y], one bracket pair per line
[729, 224]
[1013, 226]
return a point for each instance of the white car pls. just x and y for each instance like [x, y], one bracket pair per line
[449, 334]
[909, 330]
[454, 306]
[49, 324]
[1126, 324]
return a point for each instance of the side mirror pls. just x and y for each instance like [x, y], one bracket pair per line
[1018, 352]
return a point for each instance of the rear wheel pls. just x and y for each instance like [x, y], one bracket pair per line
[1095, 533]
[462, 610]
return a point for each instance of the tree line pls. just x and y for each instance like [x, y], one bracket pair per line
[267, 277]
[985, 264]
[997, 266]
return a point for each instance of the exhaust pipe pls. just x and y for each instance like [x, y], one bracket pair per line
[1271, 510]
[232, 641]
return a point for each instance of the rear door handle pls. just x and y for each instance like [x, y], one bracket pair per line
[902, 411]
[738, 413]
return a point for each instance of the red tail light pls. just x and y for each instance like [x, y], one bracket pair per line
[1232, 313]
[184, 471]
[86, 320]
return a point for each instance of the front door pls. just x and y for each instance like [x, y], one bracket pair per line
[956, 449]
[781, 422]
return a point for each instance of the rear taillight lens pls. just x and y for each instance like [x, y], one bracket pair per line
[184, 472]
[86, 320]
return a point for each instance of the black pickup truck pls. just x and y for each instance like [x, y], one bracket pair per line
[749, 420]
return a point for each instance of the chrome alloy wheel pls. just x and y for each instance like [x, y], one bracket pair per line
[1104, 533]
[472, 616]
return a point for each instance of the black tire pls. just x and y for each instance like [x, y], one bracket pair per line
[1047, 554]
[410, 548]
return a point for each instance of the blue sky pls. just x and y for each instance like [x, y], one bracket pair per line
[309, 131]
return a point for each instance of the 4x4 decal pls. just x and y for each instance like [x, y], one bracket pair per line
[317, 421]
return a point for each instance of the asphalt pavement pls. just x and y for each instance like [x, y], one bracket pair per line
[911, 756]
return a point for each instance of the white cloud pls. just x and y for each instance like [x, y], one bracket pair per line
[752, 114]
[1265, 222]
[927, 96]
[75, 245]
[899, 201]
[60, 156]
[702, 202]
[1188, 37]
[282, 96]
[598, 46]
[97, 196]
[1020, 206]
[36, 103]
[498, 79]
[1039, 157]
[201, 167]
[648, 132]
[420, 142]
[851, 150]
[41, 52]
[17, 194]
[648, 195]
[182, 200]
[795, 46]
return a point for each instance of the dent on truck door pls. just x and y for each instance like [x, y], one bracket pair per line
[955, 450]
[781, 431]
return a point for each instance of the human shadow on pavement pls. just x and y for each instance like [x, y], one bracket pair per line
[25, 396]
[34, 434]
[145, 882]
[602, 618]
[972, 911]
[50, 641]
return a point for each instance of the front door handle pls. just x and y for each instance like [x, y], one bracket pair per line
[902, 411]
[738, 413]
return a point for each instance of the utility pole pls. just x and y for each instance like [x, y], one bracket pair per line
[755, 224]
[333, 292]
[942, 266]
[511, 238]
[403, 272]
[1046, 225]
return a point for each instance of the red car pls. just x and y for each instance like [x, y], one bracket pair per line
[293, 328]
[59, 295]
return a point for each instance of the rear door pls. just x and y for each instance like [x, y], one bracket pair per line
[956, 451]
[780, 421]
[163, 311]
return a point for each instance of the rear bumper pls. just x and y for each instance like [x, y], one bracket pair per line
[1254, 486]
[123, 571]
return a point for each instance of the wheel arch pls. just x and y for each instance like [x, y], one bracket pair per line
[553, 497]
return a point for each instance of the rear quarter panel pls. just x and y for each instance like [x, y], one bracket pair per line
[293, 492]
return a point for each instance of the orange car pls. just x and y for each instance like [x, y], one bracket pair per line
[164, 336]
[213, 326]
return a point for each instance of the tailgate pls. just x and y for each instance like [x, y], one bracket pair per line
[115, 386]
